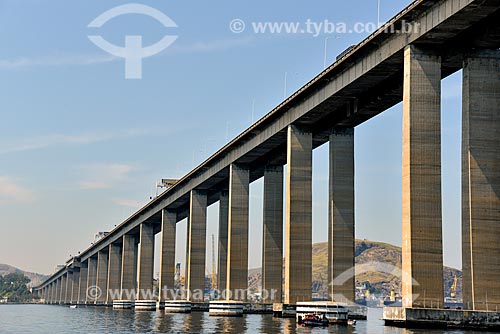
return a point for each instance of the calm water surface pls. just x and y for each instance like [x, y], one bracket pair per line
[60, 319]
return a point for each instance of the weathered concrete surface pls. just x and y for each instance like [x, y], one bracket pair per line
[62, 296]
[102, 277]
[57, 291]
[128, 276]
[341, 217]
[91, 279]
[441, 318]
[52, 292]
[223, 228]
[114, 273]
[481, 180]
[146, 262]
[197, 230]
[298, 260]
[167, 254]
[237, 251]
[422, 251]
[272, 239]
[75, 280]
[69, 286]
[82, 284]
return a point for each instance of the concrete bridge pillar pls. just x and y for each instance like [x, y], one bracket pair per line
[167, 254]
[102, 276]
[49, 294]
[197, 229]
[223, 228]
[91, 279]
[57, 291]
[75, 279]
[422, 281]
[237, 242]
[114, 273]
[341, 239]
[69, 286]
[272, 239]
[298, 253]
[128, 276]
[481, 180]
[146, 261]
[54, 292]
[82, 284]
[62, 296]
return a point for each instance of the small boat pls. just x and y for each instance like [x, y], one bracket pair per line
[333, 312]
[72, 306]
[351, 322]
[313, 320]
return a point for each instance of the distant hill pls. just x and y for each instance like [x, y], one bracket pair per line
[381, 282]
[35, 278]
[381, 279]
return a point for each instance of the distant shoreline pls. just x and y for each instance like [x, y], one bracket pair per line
[19, 303]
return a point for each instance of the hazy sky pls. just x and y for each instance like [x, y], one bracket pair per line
[81, 147]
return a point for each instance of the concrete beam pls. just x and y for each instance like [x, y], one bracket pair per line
[223, 229]
[102, 277]
[481, 180]
[422, 281]
[237, 250]
[197, 234]
[128, 276]
[341, 275]
[298, 254]
[114, 272]
[167, 254]
[272, 239]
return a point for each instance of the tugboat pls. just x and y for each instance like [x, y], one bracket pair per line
[313, 320]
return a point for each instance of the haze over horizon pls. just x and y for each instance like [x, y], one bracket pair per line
[81, 147]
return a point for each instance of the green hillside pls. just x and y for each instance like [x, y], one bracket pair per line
[35, 279]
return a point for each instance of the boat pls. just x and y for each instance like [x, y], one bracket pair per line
[313, 320]
[351, 322]
[335, 313]
[72, 306]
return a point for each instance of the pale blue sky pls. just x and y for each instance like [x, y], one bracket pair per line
[81, 147]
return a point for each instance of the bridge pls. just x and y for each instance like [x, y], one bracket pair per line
[405, 60]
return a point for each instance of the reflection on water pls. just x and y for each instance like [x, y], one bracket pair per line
[58, 319]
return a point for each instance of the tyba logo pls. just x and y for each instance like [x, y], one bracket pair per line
[133, 52]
